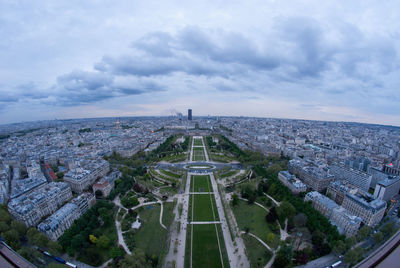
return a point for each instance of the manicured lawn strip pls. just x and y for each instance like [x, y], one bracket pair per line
[258, 255]
[202, 207]
[198, 154]
[188, 245]
[170, 173]
[201, 184]
[205, 246]
[252, 217]
[222, 245]
[151, 237]
[198, 142]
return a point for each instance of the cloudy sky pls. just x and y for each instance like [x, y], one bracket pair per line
[324, 60]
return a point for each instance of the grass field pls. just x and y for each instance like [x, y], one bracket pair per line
[198, 142]
[201, 184]
[204, 207]
[170, 173]
[258, 255]
[151, 237]
[206, 246]
[198, 154]
[252, 217]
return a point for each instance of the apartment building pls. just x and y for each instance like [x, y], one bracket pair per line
[365, 206]
[294, 184]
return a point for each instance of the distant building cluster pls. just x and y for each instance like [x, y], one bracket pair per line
[348, 160]
[315, 177]
[82, 176]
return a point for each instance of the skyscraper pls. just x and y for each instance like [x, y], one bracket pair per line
[189, 114]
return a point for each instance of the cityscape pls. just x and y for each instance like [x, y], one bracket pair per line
[193, 191]
[199, 134]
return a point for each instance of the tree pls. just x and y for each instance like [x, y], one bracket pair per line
[60, 175]
[352, 256]
[12, 239]
[272, 216]
[388, 228]
[285, 210]
[300, 220]
[270, 237]
[235, 199]
[318, 238]
[4, 216]
[4, 227]
[40, 240]
[350, 242]
[77, 242]
[115, 252]
[378, 237]
[54, 248]
[31, 233]
[363, 233]
[98, 194]
[339, 247]
[20, 227]
[93, 239]
[103, 242]
[136, 260]
[284, 256]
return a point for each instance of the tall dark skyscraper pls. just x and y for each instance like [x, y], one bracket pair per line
[189, 114]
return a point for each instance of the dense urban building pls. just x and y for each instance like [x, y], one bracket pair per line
[387, 188]
[290, 180]
[81, 179]
[314, 177]
[365, 206]
[337, 190]
[346, 223]
[31, 208]
[55, 225]
[360, 179]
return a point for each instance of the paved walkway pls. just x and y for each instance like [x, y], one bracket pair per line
[256, 203]
[236, 258]
[121, 240]
[259, 240]
[204, 222]
[176, 251]
[273, 200]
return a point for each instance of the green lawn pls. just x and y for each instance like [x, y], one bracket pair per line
[151, 237]
[201, 184]
[253, 217]
[198, 142]
[206, 252]
[203, 207]
[170, 173]
[258, 255]
[198, 154]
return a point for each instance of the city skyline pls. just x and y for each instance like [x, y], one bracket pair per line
[330, 61]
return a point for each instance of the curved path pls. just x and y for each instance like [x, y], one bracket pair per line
[259, 240]
[273, 200]
[121, 240]
[256, 203]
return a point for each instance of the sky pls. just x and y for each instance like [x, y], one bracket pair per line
[320, 60]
